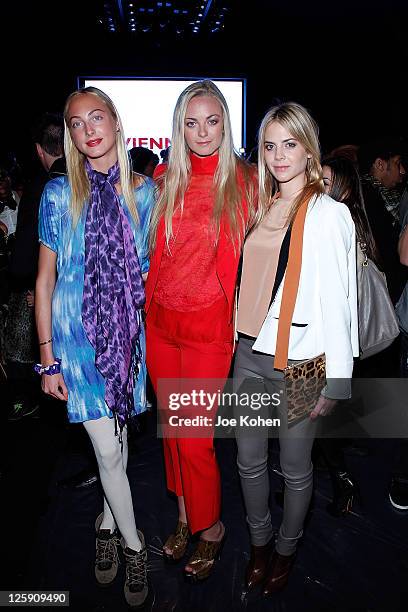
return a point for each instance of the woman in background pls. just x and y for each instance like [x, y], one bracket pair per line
[342, 183]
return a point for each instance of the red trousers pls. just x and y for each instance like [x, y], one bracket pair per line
[191, 345]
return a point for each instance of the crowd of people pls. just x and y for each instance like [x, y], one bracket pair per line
[115, 267]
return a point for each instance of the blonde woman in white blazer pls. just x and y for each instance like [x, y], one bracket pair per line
[326, 299]
[324, 321]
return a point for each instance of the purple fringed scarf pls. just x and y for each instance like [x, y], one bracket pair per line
[113, 292]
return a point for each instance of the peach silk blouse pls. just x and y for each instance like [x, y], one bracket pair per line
[260, 263]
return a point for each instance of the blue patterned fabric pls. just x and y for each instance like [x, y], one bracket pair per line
[86, 386]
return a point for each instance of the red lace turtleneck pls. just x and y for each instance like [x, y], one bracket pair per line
[187, 279]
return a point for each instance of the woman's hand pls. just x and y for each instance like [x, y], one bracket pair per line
[3, 228]
[54, 385]
[30, 298]
[323, 407]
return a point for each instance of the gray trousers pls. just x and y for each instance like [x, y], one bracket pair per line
[295, 443]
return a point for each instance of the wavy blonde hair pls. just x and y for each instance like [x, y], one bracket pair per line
[174, 182]
[302, 127]
[77, 176]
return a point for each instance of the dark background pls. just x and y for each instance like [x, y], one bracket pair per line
[345, 60]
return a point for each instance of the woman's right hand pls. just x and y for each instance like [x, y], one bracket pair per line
[54, 385]
[30, 298]
[3, 228]
[324, 407]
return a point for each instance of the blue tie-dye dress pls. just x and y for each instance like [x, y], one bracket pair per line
[86, 386]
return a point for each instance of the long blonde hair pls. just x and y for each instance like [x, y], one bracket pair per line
[227, 191]
[301, 126]
[77, 176]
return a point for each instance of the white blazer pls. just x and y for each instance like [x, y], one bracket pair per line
[325, 315]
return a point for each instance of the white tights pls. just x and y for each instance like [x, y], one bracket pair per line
[112, 463]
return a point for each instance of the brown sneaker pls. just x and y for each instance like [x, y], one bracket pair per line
[106, 558]
[136, 588]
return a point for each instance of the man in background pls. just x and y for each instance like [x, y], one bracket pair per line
[382, 173]
[20, 343]
[398, 492]
[143, 160]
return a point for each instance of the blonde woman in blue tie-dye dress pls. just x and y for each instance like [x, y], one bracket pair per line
[89, 302]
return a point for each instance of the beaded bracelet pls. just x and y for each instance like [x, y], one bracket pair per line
[46, 342]
[54, 368]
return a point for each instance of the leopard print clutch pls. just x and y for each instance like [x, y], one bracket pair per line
[304, 382]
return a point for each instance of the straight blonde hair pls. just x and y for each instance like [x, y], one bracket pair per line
[77, 176]
[174, 182]
[302, 127]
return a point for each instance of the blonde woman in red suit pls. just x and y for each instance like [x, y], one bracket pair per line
[198, 228]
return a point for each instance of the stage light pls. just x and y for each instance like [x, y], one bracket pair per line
[203, 14]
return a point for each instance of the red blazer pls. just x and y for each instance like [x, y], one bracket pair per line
[227, 260]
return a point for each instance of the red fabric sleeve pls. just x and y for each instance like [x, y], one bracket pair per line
[159, 170]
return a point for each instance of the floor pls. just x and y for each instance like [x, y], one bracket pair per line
[357, 563]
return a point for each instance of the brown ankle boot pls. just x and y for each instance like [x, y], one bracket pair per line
[278, 573]
[258, 564]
